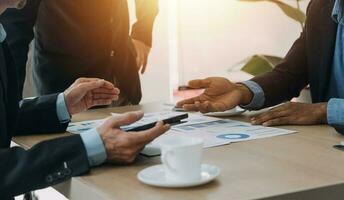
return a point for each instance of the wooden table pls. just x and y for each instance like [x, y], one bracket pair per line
[297, 166]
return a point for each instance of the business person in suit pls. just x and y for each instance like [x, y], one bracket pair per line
[52, 162]
[79, 38]
[316, 59]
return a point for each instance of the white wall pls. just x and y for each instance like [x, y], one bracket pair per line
[216, 34]
[155, 82]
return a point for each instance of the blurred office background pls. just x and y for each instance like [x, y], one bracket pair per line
[201, 38]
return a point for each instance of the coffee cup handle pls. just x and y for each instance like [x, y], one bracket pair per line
[165, 160]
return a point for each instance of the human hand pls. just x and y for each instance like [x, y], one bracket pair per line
[123, 147]
[85, 93]
[219, 95]
[142, 51]
[293, 114]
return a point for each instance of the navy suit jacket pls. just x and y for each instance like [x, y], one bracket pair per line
[45, 164]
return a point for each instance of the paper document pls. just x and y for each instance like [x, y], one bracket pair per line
[214, 131]
[232, 131]
[79, 127]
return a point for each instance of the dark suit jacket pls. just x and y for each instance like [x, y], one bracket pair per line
[309, 61]
[76, 39]
[45, 164]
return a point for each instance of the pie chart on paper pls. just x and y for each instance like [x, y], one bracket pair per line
[233, 136]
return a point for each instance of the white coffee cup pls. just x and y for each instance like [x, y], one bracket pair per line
[181, 157]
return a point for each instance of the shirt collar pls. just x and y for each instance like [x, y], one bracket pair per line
[338, 12]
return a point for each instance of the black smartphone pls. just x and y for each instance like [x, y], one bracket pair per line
[171, 121]
[339, 147]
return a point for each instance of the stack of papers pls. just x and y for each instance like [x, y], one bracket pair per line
[214, 131]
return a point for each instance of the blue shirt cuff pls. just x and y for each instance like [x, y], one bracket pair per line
[335, 112]
[61, 109]
[95, 148]
[258, 96]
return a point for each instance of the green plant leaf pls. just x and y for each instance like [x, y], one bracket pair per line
[292, 12]
[261, 64]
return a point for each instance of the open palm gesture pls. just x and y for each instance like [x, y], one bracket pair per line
[219, 95]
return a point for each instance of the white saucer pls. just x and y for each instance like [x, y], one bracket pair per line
[228, 113]
[155, 176]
